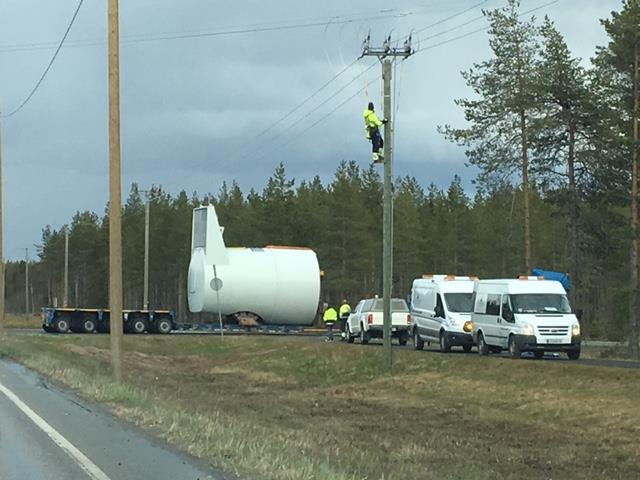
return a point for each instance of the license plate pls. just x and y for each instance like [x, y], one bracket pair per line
[554, 340]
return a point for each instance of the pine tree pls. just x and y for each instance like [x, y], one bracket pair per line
[622, 58]
[499, 137]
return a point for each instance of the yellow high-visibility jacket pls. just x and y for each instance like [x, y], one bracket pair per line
[345, 310]
[371, 121]
[330, 315]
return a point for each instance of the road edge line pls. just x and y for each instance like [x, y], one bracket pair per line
[76, 455]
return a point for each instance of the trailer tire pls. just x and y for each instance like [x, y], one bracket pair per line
[61, 325]
[138, 325]
[88, 325]
[163, 326]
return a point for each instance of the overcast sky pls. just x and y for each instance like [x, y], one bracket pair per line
[192, 107]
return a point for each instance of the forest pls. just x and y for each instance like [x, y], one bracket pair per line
[554, 140]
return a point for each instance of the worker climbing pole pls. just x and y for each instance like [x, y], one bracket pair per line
[387, 56]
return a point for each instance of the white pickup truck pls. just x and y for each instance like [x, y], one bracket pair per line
[366, 321]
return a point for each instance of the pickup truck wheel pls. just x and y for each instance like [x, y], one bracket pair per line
[364, 336]
[350, 337]
[467, 348]
[483, 348]
[445, 346]
[514, 349]
[418, 343]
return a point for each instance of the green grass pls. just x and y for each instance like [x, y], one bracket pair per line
[291, 408]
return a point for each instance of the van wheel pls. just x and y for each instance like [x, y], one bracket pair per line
[483, 348]
[418, 343]
[467, 348]
[364, 336]
[445, 346]
[514, 349]
[574, 354]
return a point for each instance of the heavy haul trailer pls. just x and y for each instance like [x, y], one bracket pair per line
[89, 320]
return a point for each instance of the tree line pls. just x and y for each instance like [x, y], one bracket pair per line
[555, 143]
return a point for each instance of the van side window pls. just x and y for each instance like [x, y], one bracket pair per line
[439, 309]
[493, 304]
[507, 312]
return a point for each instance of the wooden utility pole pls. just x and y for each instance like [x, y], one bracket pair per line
[115, 209]
[26, 281]
[145, 302]
[387, 55]
[633, 264]
[1, 241]
[65, 298]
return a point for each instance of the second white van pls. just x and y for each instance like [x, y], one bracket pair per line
[529, 314]
[441, 311]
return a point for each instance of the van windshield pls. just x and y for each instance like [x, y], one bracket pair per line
[540, 303]
[459, 302]
[397, 305]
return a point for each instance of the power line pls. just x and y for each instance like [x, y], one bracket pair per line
[315, 109]
[429, 47]
[294, 109]
[53, 58]
[304, 102]
[241, 29]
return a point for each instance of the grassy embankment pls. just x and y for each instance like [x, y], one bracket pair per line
[279, 408]
[12, 320]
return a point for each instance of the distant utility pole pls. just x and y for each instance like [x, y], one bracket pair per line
[26, 281]
[145, 301]
[1, 242]
[387, 56]
[115, 208]
[65, 298]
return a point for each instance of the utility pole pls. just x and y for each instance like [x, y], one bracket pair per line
[65, 298]
[387, 56]
[1, 241]
[26, 281]
[633, 263]
[115, 209]
[145, 302]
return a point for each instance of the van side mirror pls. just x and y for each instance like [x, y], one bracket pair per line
[507, 314]
[439, 311]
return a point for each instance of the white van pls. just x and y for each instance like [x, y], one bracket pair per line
[441, 308]
[525, 315]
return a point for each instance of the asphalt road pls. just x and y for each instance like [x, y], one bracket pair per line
[47, 433]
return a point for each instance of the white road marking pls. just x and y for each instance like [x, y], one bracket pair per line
[80, 458]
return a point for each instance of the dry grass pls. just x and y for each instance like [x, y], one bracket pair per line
[12, 320]
[285, 409]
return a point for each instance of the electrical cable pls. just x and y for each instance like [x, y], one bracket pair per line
[53, 58]
[315, 109]
[444, 20]
[293, 110]
[428, 47]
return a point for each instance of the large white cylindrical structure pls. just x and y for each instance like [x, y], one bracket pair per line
[280, 285]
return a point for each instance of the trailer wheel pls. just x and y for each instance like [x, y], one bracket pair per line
[164, 326]
[61, 325]
[138, 325]
[88, 325]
